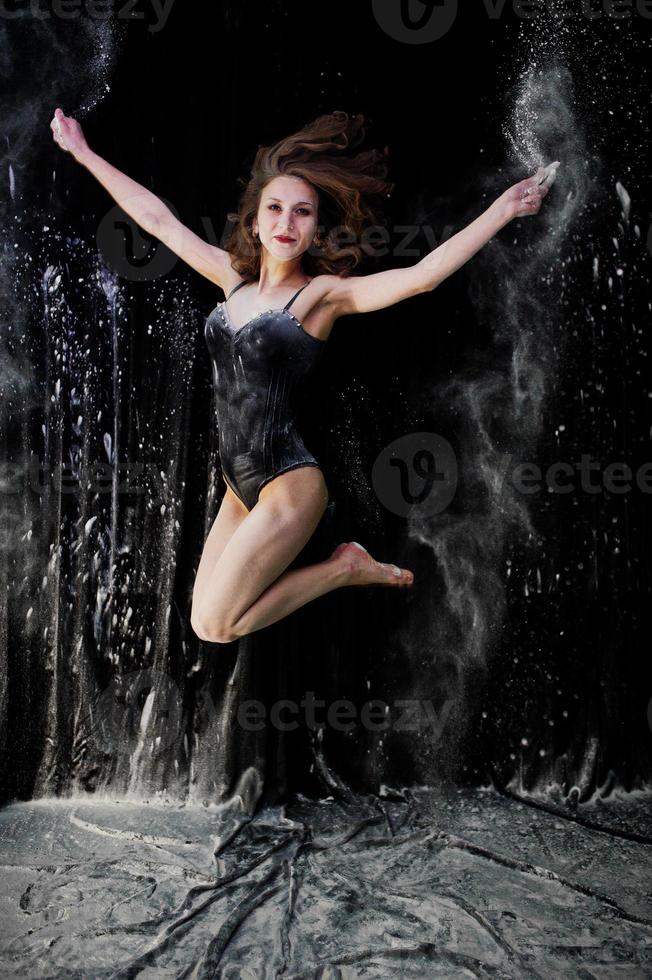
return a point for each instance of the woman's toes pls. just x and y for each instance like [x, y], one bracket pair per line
[399, 576]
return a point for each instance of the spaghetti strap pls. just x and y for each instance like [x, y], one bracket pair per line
[289, 304]
[234, 289]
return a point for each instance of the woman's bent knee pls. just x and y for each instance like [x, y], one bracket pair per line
[212, 633]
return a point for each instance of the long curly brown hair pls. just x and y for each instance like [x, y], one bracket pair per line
[348, 187]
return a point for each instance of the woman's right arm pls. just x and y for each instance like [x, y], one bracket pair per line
[143, 206]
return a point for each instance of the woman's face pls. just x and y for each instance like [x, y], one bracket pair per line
[287, 210]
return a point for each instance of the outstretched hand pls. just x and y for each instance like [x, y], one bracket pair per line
[67, 134]
[525, 197]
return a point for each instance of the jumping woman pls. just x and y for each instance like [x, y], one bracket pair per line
[287, 279]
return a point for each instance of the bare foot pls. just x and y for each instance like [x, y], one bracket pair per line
[362, 569]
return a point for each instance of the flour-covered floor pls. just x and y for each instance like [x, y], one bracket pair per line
[445, 884]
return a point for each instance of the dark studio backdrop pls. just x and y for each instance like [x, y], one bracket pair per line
[521, 652]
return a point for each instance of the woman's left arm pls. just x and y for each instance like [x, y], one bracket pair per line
[362, 294]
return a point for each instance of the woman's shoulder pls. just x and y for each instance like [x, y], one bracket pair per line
[233, 280]
[326, 284]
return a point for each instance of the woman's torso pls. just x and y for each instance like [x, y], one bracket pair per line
[258, 368]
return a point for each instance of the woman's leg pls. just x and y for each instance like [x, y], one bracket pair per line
[230, 515]
[247, 589]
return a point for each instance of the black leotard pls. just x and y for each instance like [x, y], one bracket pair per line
[256, 370]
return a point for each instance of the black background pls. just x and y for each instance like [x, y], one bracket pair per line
[562, 663]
